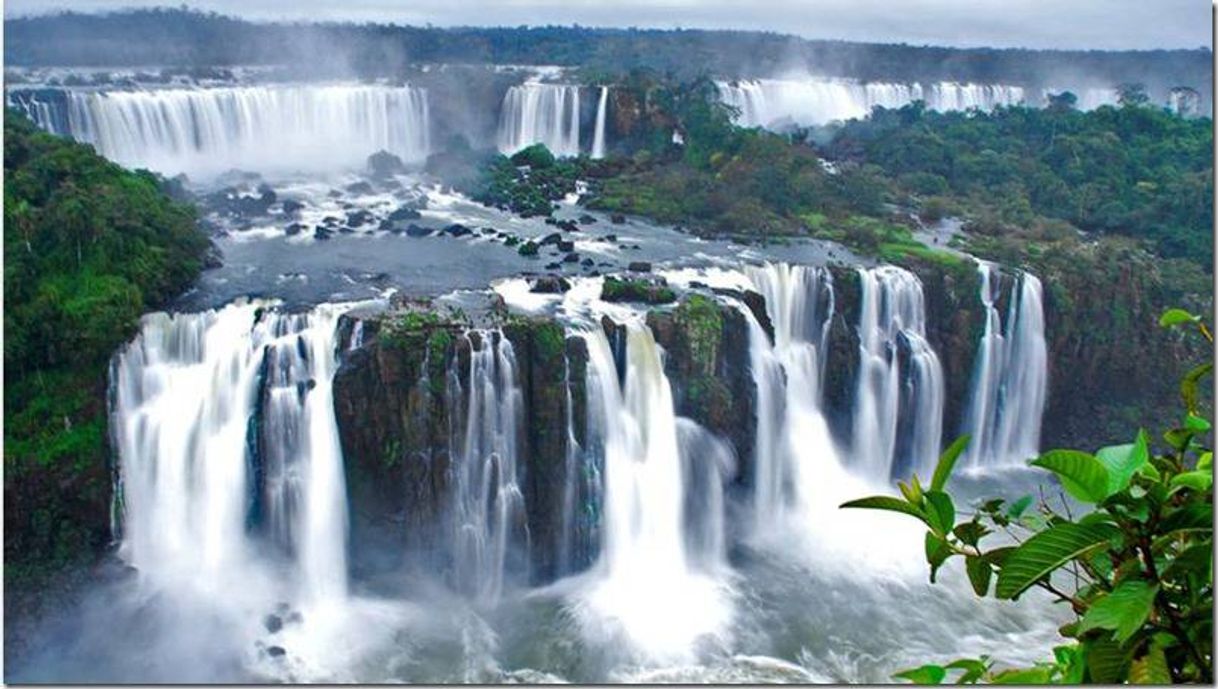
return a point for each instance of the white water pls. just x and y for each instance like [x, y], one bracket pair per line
[203, 131]
[646, 588]
[1010, 375]
[820, 100]
[185, 391]
[534, 113]
[892, 318]
[792, 434]
[489, 503]
[598, 135]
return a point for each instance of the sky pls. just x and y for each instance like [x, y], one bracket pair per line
[1081, 24]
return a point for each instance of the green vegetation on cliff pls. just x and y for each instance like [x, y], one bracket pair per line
[89, 247]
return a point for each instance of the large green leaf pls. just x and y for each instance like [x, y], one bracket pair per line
[1199, 481]
[927, 674]
[1082, 475]
[1172, 317]
[979, 573]
[947, 462]
[1123, 461]
[941, 511]
[974, 669]
[1045, 552]
[890, 504]
[1124, 610]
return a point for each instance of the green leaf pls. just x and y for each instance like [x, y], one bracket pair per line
[1195, 423]
[1106, 660]
[1205, 462]
[974, 669]
[1194, 517]
[1032, 675]
[1172, 317]
[941, 511]
[1189, 384]
[1178, 438]
[979, 572]
[947, 462]
[1150, 668]
[1070, 664]
[970, 533]
[937, 552]
[1018, 507]
[1123, 461]
[1123, 611]
[927, 674]
[1199, 481]
[1082, 475]
[890, 504]
[1043, 553]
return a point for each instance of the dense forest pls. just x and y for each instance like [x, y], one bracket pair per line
[183, 37]
[89, 247]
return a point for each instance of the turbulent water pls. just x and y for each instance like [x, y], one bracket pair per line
[209, 130]
[534, 113]
[820, 100]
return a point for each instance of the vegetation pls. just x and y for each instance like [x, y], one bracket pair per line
[89, 247]
[1135, 566]
[1035, 174]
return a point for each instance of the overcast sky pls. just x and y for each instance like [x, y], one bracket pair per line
[1105, 24]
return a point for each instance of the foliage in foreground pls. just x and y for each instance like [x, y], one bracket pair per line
[89, 247]
[1135, 566]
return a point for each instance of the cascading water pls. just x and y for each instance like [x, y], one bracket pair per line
[210, 130]
[534, 113]
[598, 135]
[792, 434]
[813, 101]
[1010, 376]
[185, 393]
[898, 418]
[648, 585]
[489, 519]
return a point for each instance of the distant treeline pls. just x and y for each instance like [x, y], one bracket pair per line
[186, 37]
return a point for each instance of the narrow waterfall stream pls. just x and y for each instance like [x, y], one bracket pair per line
[1010, 377]
[598, 135]
[534, 113]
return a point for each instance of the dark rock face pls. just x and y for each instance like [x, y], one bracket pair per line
[398, 405]
[384, 164]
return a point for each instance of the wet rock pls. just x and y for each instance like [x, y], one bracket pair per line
[360, 187]
[565, 246]
[273, 623]
[587, 263]
[413, 230]
[567, 225]
[610, 238]
[586, 219]
[457, 230]
[276, 651]
[549, 284]
[344, 229]
[528, 249]
[292, 206]
[617, 219]
[384, 164]
[571, 258]
[360, 217]
[639, 267]
[321, 233]
[404, 213]
[554, 238]
[554, 266]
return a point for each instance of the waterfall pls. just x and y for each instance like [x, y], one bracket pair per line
[892, 328]
[598, 137]
[792, 434]
[203, 405]
[781, 102]
[535, 113]
[651, 582]
[210, 130]
[489, 519]
[1010, 375]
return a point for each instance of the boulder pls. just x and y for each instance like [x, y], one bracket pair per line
[549, 284]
